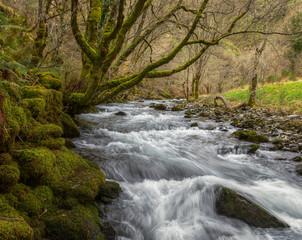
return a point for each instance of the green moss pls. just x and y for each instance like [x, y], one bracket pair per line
[72, 176]
[35, 165]
[53, 102]
[250, 136]
[82, 222]
[231, 204]
[15, 119]
[70, 129]
[5, 158]
[34, 105]
[44, 195]
[26, 200]
[50, 80]
[44, 132]
[12, 225]
[9, 176]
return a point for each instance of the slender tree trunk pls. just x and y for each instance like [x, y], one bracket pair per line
[252, 100]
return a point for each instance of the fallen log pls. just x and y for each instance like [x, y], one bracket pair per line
[226, 104]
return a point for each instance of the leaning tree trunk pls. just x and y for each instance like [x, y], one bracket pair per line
[252, 100]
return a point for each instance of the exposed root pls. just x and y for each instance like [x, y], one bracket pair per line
[226, 104]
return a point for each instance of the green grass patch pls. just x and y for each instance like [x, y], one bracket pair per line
[279, 96]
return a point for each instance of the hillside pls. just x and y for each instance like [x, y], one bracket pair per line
[284, 95]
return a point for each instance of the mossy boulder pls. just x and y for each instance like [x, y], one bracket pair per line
[81, 222]
[36, 165]
[232, 204]
[24, 200]
[15, 118]
[52, 143]
[44, 132]
[34, 105]
[250, 136]
[65, 172]
[177, 108]
[160, 107]
[109, 192]
[194, 124]
[70, 129]
[12, 224]
[279, 144]
[69, 143]
[53, 102]
[44, 194]
[253, 148]
[75, 177]
[9, 176]
[50, 80]
[5, 158]
[297, 159]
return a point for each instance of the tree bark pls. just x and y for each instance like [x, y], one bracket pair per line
[252, 100]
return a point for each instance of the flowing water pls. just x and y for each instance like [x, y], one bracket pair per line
[169, 174]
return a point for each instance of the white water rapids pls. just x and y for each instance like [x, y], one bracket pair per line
[169, 173]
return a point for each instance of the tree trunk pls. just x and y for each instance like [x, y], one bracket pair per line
[252, 100]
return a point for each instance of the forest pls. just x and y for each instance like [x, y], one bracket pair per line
[150, 119]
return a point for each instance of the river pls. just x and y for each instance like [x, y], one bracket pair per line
[169, 173]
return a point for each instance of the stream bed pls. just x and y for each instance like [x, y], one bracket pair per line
[169, 173]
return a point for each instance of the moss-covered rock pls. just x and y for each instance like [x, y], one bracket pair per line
[297, 159]
[81, 222]
[34, 105]
[69, 144]
[44, 195]
[50, 80]
[177, 108]
[24, 200]
[109, 192]
[72, 176]
[15, 118]
[53, 102]
[279, 144]
[299, 169]
[12, 224]
[253, 148]
[160, 106]
[250, 136]
[5, 158]
[52, 143]
[70, 129]
[194, 124]
[36, 165]
[231, 204]
[44, 132]
[9, 176]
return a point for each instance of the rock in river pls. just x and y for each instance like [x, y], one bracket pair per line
[231, 204]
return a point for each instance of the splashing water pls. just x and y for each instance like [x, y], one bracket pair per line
[169, 173]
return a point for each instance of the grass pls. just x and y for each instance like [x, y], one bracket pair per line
[278, 96]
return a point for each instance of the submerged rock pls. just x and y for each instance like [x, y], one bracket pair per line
[299, 169]
[120, 113]
[232, 204]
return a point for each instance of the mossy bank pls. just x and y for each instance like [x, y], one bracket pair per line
[46, 190]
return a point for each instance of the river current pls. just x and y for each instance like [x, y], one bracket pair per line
[169, 173]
